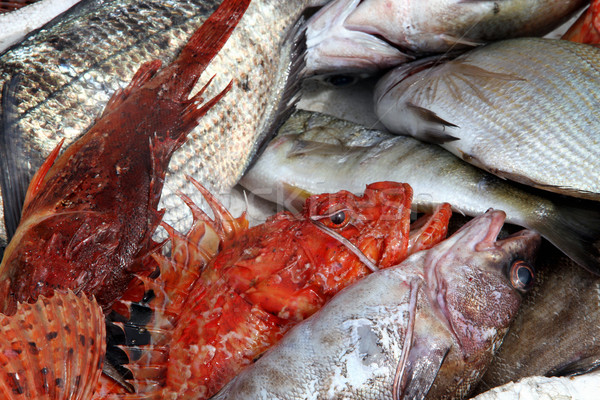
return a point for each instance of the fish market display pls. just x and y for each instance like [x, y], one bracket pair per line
[366, 36]
[16, 24]
[89, 215]
[587, 28]
[266, 279]
[556, 329]
[523, 109]
[52, 349]
[583, 387]
[70, 69]
[331, 154]
[427, 327]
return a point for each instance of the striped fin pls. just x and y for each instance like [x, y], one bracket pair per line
[52, 349]
[148, 337]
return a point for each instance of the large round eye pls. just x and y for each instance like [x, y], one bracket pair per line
[335, 219]
[521, 275]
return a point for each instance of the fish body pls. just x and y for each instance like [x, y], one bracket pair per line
[522, 109]
[582, 387]
[426, 328]
[90, 213]
[71, 67]
[371, 35]
[587, 27]
[266, 279]
[315, 153]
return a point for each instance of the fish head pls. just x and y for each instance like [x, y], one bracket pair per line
[477, 281]
[377, 222]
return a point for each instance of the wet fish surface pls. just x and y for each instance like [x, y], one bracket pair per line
[555, 332]
[424, 328]
[315, 153]
[366, 36]
[90, 213]
[523, 109]
[70, 68]
[583, 387]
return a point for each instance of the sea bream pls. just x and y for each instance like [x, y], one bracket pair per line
[522, 109]
[71, 67]
[90, 213]
[426, 328]
[315, 153]
[364, 36]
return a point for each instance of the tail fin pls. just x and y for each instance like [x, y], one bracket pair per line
[575, 230]
[52, 349]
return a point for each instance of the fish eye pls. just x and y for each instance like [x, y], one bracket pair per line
[338, 218]
[341, 80]
[521, 275]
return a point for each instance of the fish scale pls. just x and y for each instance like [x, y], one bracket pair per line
[71, 68]
[524, 109]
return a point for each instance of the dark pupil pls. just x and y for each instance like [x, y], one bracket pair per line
[524, 275]
[338, 217]
[340, 80]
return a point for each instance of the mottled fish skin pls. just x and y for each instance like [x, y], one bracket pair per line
[370, 35]
[70, 69]
[556, 329]
[315, 153]
[357, 343]
[523, 109]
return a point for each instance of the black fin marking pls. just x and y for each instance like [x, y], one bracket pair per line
[296, 44]
[578, 367]
[16, 171]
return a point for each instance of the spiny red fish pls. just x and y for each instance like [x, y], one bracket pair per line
[209, 323]
[587, 27]
[89, 215]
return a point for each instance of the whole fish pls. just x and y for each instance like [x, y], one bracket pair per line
[556, 329]
[583, 387]
[209, 321]
[71, 67]
[427, 327]
[90, 213]
[331, 154]
[523, 109]
[370, 35]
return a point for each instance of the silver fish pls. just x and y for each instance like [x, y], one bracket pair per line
[523, 109]
[426, 327]
[331, 155]
[70, 68]
[370, 35]
[583, 387]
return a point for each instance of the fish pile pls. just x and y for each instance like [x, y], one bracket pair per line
[346, 298]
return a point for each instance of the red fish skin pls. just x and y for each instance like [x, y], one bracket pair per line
[587, 27]
[269, 277]
[88, 219]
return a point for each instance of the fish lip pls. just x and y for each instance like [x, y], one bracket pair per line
[496, 222]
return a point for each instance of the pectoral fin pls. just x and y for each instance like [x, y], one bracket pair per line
[421, 359]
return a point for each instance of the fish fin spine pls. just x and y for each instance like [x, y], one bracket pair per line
[39, 176]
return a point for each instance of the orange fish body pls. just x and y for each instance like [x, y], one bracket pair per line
[89, 214]
[267, 278]
[587, 27]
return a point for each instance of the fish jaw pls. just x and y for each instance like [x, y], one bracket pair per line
[468, 282]
[332, 47]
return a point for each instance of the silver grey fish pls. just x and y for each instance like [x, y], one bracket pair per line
[523, 109]
[69, 69]
[582, 387]
[331, 155]
[369, 35]
[556, 329]
[425, 328]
